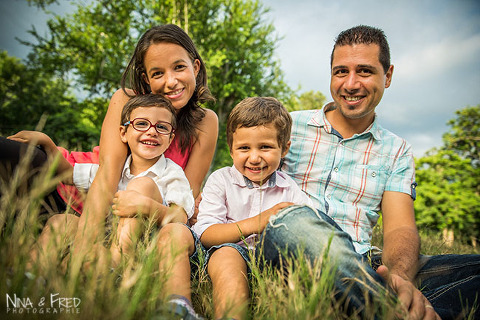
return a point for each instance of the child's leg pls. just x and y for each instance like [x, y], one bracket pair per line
[127, 233]
[175, 245]
[58, 231]
[129, 229]
[228, 271]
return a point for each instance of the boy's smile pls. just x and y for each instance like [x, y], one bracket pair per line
[256, 153]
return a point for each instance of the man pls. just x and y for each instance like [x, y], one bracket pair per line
[352, 168]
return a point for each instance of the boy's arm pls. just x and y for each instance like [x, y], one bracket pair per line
[234, 232]
[64, 168]
[129, 203]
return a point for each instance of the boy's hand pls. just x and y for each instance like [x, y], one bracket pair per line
[193, 219]
[265, 215]
[129, 203]
[174, 213]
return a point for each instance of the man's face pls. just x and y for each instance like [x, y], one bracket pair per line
[358, 80]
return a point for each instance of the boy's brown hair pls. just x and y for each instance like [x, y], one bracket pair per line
[260, 111]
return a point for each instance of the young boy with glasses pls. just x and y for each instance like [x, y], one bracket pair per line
[147, 127]
[148, 123]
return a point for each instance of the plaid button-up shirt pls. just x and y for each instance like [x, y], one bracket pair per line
[346, 178]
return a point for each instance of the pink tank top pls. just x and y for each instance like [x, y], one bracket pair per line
[74, 198]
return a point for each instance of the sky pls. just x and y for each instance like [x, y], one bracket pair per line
[434, 44]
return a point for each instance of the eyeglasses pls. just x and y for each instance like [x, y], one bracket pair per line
[144, 125]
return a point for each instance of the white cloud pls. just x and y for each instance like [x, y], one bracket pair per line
[433, 59]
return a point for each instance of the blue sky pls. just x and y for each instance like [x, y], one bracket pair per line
[435, 48]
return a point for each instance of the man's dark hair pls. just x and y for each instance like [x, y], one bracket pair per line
[365, 35]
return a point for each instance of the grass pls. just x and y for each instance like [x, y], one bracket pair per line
[137, 293]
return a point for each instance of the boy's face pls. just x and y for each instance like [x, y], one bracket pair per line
[256, 153]
[147, 146]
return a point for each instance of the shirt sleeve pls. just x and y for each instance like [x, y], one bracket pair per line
[402, 176]
[213, 207]
[176, 188]
[83, 175]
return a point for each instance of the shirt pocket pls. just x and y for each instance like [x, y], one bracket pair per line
[369, 184]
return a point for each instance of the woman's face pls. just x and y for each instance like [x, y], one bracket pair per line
[171, 72]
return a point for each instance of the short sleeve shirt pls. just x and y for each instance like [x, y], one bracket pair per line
[167, 175]
[346, 178]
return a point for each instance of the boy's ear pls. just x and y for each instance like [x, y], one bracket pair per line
[172, 135]
[123, 132]
[284, 153]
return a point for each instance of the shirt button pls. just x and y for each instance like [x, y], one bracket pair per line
[374, 174]
[336, 169]
[329, 196]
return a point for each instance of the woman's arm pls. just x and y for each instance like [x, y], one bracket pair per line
[113, 153]
[202, 152]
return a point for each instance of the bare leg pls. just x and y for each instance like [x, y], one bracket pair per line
[129, 229]
[176, 245]
[58, 231]
[228, 271]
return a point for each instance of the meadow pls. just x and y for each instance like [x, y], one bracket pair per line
[54, 289]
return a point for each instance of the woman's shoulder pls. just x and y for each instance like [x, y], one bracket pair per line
[121, 96]
[210, 116]
[209, 121]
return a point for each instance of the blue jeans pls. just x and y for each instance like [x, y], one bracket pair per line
[440, 277]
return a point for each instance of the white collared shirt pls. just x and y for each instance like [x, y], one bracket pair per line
[167, 175]
[229, 197]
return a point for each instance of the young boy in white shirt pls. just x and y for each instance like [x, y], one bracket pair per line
[159, 184]
[148, 123]
[236, 201]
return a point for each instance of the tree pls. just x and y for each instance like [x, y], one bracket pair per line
[465, 135]
[91, 47]
[309, 100]
[27, 94]
[448, 180]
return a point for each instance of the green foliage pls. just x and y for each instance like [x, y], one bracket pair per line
[465, 135]
[91, 47]
[309, 100]
[28, 93]
[448, 180]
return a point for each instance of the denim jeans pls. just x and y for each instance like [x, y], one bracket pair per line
[440, 277]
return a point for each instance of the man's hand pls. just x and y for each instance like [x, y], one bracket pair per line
[412, 300]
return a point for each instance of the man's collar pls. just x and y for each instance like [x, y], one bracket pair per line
[319, 119]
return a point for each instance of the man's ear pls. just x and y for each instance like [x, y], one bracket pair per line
[284, 153]
[389, 76]
[123, 132]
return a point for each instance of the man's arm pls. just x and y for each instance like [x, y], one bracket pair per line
[401, 248]
[401, 243]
